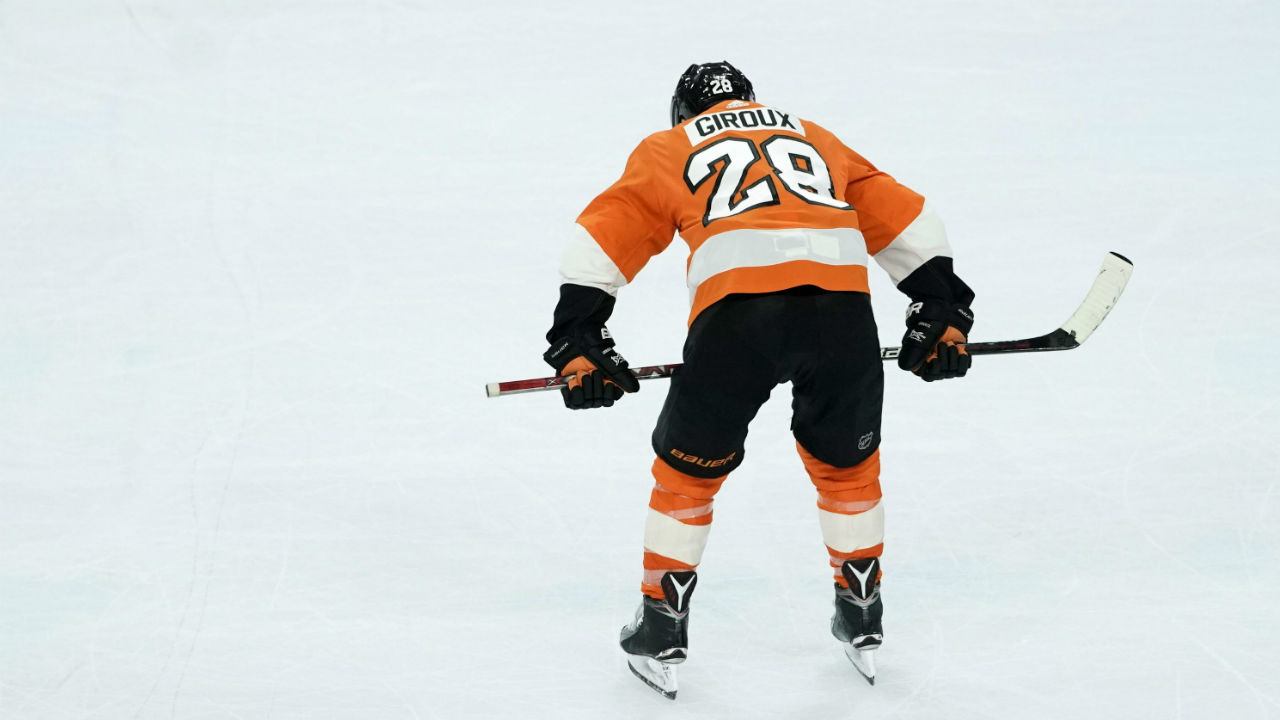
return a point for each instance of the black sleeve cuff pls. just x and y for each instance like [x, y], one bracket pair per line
[579, 305]
[936, 280]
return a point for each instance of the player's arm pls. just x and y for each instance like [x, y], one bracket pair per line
[612, 240]
[908, 241]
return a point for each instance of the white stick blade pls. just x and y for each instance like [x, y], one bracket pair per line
[1104, 294]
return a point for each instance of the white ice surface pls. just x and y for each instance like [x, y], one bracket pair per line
[259, 257]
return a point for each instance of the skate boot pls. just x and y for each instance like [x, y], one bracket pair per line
[658, 639]
[856, 622]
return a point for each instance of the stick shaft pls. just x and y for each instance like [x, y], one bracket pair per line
[648, 372]
[655, 372]
[1103, 295]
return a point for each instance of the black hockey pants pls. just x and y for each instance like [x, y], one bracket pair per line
[737, 350]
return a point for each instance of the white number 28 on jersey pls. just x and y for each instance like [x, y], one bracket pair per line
[795, 162]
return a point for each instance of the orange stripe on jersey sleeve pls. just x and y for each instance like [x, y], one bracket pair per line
[772, 278]
[885, 207]
[630, 220]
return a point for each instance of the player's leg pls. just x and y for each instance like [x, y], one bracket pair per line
[838, 394]
[727, 375]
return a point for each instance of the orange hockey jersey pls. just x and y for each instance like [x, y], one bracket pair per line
[766, 201]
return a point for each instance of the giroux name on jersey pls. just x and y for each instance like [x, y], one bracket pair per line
[759, 118]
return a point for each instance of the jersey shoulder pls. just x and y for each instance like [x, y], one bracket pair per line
[831, 143]
[655, 151]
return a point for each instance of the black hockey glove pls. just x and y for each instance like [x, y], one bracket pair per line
[933, 346]
[599, 374]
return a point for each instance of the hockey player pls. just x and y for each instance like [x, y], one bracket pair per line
[780, 218]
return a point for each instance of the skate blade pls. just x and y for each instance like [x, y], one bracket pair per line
[658, 675]
[864, 660]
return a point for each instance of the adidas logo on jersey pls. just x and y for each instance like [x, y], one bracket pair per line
[706, 126]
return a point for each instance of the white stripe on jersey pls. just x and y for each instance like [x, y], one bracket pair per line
[921, 241]
[585, 263]
[758, 248]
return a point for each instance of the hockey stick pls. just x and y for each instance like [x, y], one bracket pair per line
[1102, 296]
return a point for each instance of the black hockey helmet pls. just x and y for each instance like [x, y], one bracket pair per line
[702, 86]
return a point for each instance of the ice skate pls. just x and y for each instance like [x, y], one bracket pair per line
[856, 622]
[658, 639]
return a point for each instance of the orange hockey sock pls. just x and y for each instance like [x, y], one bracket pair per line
[849, 508]
[678, 524]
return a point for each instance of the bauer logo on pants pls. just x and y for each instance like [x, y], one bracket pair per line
[700, 461]
[864, 442]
